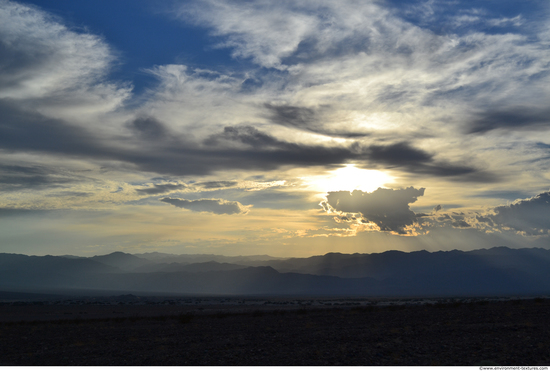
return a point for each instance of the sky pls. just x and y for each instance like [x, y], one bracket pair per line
[288, 128]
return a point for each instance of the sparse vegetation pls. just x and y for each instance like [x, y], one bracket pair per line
[441, 333]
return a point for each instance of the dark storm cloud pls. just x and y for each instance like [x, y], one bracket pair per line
[511, 118]
[148, 128]
[216, 184]
[245, 134]
[160, 188]
[24, 130]
[239, 147]
[403, 155]
[530, 216]
[307, 119]
[387, 208]
[294, 116]
[268, 152]
[216, 206]
[399, 155]
[14, 177]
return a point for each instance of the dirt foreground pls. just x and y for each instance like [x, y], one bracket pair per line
[511, 332]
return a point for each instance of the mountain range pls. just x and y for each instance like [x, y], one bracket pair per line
[495, 271]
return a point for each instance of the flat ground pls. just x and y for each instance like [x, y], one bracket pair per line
[514, 332]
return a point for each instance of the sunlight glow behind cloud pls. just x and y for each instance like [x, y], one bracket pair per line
[349, 178]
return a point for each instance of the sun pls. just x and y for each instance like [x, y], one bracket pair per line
[349, 178]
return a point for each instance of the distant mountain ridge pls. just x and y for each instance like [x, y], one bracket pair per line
[253, 260]
[391, 263]
[120, 260]
[495, 271]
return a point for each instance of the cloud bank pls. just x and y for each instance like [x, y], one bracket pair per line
[530, 217]
[215, 206]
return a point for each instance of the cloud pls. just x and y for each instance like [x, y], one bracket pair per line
[215, 206]
[511, 118]
[241, 147]
[161, 188]
[360, 71]
[314, 120]
[399, 155]
[403, 155]
[458, 220]
[178, 139]
[61, 71]
[387, 208]
[370, 39]
[529, 217]
[248, 135]
[18, 177]
[216, 184]
[40, 56]
[24, 130]
[300, 117]
[507, 194]
[193, 187]
[250, 33]
[277, 199]
[148, 128]
[334, 83]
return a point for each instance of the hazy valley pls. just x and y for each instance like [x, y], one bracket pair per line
[484, 272]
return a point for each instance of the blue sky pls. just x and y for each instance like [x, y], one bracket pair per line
[288, 128]
[142, 33]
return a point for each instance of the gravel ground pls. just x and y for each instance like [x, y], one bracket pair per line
[480, 333]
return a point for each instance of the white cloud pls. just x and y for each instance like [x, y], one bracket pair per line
[197, 102]
[253, 34]
[373, 69]
[51, 68]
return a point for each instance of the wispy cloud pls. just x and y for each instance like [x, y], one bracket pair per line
[215, 206]
[62, 72]
[161, 189]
